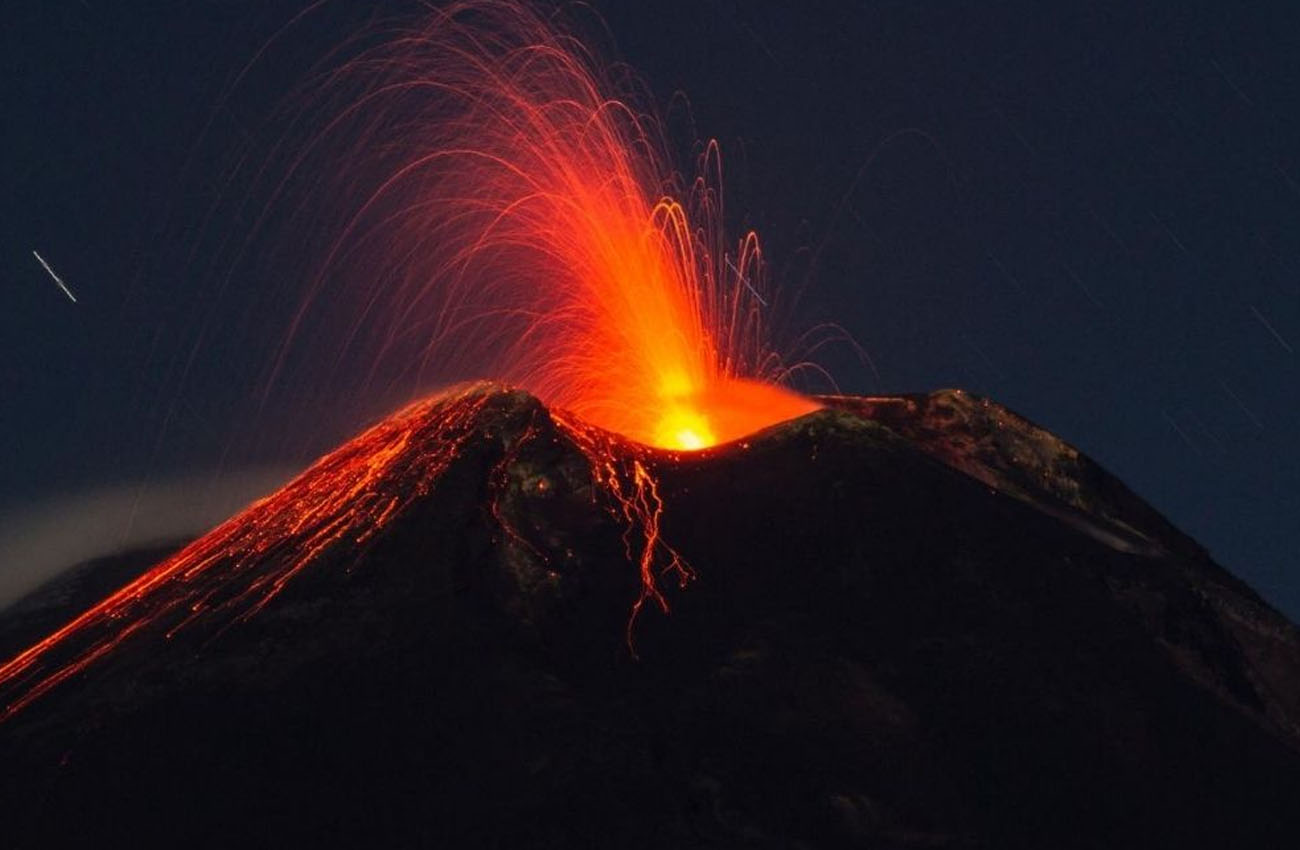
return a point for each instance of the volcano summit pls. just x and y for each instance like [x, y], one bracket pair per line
[913, 621]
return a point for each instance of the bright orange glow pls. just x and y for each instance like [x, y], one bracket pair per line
[334, 510]
[528, 224]
[622, 472]
[525, 224]
[345, 498]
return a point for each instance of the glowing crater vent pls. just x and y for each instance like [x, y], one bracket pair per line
[721, 413]
[513, 211]
[508, 209]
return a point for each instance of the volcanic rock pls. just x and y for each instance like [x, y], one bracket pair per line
[916, 621]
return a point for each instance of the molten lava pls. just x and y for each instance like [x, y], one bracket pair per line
[526, 224]
[346, 497]
[330, 514]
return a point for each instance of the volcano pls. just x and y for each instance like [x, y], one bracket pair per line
[912, 621]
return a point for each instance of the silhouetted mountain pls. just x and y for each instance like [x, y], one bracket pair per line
[917, 621]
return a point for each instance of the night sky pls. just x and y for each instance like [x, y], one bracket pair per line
[1090, 215]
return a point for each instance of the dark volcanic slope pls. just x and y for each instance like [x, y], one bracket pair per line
[941, 628]
[80, 586]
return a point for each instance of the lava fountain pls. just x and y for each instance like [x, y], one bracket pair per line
[527, 217]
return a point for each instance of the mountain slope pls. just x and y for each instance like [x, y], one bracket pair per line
[911, 622]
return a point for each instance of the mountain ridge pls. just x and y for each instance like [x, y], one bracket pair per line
[864, 643]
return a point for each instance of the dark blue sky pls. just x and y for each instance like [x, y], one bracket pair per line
[1091, 214]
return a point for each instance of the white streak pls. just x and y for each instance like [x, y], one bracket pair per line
[1277, 336]
[57, 279]
[744, 280]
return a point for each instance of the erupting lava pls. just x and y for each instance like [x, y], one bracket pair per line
[528, 226]
[527, 219]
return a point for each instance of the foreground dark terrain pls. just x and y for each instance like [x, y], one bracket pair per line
[915, 622]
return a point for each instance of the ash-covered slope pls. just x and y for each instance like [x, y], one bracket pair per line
[913, 622]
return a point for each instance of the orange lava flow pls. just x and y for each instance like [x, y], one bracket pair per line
[234, 570]
[335, 508]
[622, 473]
[527, 225]
[517, 217]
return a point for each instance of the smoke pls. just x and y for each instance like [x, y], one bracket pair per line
[40, 541]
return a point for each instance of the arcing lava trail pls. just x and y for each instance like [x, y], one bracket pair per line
[525, 217]
[525, 213]
[912, 622]
[513, 213]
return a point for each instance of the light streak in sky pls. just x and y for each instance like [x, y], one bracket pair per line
[1269, 327]
[57, 279]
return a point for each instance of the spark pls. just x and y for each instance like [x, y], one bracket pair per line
[530, 193]
[330, 514]
[231, 573]
[1269, 327]
[530, 222]
[624, 472]
[58, 280]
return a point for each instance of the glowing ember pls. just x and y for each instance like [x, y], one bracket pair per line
[622, 472]
[526, 225]
[338, 506]
[527, 219]
[234, 570]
